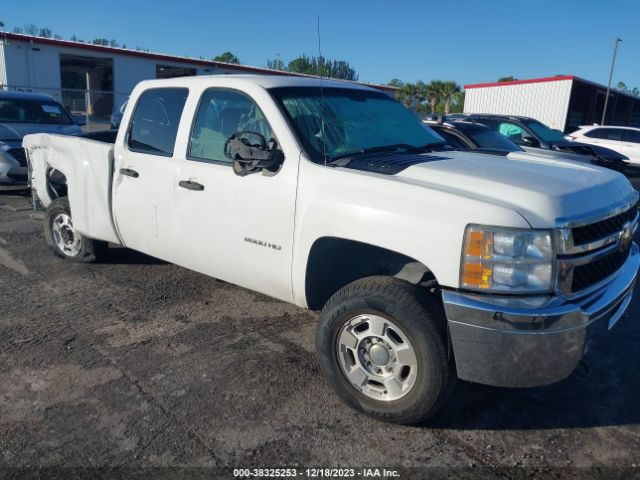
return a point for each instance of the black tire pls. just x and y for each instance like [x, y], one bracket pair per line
[421, 318]
[88, 250]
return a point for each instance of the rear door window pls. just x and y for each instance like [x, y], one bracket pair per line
[605, 133]
[614, 134]
[154, 126]
[632, 136]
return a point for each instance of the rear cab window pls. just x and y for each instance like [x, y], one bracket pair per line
[155, 121]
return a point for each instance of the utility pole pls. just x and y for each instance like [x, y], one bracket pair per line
[613, 62]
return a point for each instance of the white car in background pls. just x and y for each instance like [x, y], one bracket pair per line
[625, 140]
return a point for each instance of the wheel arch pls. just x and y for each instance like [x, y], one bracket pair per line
[56, 183]
[334, 262]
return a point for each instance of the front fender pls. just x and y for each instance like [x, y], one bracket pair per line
[381, 210]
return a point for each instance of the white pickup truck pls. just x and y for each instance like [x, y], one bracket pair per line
[428, 265]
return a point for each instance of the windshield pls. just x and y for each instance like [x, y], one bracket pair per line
[544, 132]
[487, 138]
[22, 110]
[355, 121]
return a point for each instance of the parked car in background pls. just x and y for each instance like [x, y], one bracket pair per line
[466, 135]
[116, 116]
[22, 113]
[625, 140]
[534, 136]
[427, 264]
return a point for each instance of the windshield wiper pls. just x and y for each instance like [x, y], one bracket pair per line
[344, 159]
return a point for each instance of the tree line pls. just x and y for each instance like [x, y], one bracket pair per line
[46, 32]
[310, 65]
[435, 97]
[631, 91]
[320, 66]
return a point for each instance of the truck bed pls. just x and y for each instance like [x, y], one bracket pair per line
[87, 165]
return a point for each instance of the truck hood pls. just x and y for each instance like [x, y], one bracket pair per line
[544, 191]
[13, 132]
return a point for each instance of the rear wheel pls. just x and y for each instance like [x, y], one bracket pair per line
[64, 239]
[383, 347]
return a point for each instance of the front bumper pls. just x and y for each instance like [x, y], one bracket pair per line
[526, 342]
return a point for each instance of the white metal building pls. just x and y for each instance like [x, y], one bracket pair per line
[563, 102]
[92, 80]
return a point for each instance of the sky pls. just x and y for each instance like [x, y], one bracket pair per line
[463, 40]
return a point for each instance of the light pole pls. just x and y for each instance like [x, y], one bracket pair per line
[613, 62]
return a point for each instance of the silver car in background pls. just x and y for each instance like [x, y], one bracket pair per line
[22, 113]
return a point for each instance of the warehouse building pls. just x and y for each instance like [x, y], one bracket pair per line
[563, 102]
[91, 80]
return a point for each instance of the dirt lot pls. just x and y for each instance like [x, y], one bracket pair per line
[134, 363]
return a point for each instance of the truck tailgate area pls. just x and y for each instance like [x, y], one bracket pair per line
[88, 168]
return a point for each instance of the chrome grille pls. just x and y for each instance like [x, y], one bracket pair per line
[589, 274]
[590, 254]
[604, 228]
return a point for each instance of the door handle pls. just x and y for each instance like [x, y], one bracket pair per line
[191, 185]
[129, 172]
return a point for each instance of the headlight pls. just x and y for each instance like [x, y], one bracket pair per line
[507, 260]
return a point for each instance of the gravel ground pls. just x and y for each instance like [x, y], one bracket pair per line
[134, 363]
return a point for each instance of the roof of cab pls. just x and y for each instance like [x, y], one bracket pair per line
[265, 81]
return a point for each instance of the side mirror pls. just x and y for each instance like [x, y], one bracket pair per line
[80, 120]
[251, 153]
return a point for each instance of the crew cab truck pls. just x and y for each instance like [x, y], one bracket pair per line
[428, 265]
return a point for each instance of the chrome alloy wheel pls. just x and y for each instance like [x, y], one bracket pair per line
[64, 235]
[376, 357]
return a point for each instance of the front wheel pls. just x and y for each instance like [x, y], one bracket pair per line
[383, 347]
[64, 239]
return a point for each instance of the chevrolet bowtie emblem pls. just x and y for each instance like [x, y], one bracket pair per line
[626, 236]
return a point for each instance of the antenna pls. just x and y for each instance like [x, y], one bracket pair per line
[321, 65]
[3, 34]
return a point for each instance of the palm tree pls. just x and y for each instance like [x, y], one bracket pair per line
[407, 95]
[449, 89]
[457, 102]
[421, 93]
[433, 92]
